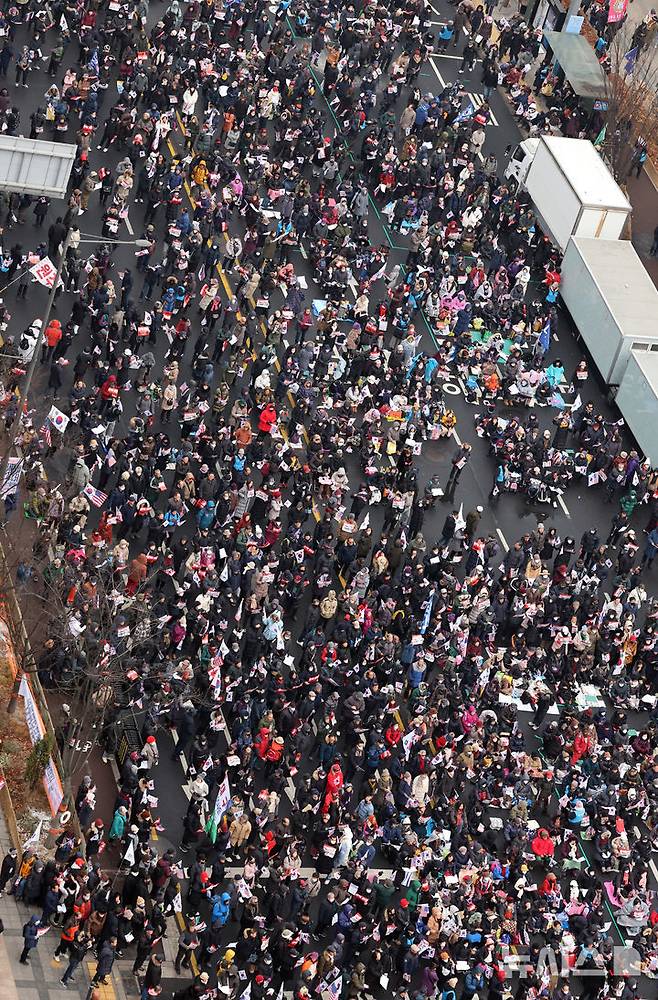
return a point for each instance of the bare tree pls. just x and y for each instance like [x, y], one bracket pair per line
[631, 121]
[103, 636]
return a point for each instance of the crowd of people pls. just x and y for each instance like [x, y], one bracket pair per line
[241, 548]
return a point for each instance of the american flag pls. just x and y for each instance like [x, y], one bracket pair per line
[44, 433]
[94, 496]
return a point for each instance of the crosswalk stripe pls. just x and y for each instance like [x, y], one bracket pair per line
[478, 100]
[436, 70]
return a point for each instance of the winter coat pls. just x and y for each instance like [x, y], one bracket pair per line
[221, 909]
[169, 397]
[30, 935]
[81, 476]
[118, 826]
[105, 960]
[239, 831]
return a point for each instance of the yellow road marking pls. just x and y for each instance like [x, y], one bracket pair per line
[182, 926]
[106, 990]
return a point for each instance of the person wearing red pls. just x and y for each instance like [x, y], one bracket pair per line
[334, 779]
[393, 735]
[542, 845]
[580, 749]
[51, 338]
[109, 392]
[262, 743]
[274, 755]
[266, 420]
[333, 787]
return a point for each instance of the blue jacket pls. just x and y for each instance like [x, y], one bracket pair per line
[221, 909]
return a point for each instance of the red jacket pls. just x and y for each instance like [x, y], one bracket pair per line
[53, 333]
[267, 419]
[543, 847]
[109, 388]
[262, 743]
[274, 752]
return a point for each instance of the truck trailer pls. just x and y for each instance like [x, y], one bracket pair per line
[612, 301]
[637, 400]
[572, 189]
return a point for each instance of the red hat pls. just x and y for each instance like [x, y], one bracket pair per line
[404, 903]
[260, 979]
[150, 739]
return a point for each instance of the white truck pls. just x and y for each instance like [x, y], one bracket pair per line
[612, 301]
[572, 190]
[637, 400]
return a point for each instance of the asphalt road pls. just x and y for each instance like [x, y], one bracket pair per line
[511, 517]
[508, 520]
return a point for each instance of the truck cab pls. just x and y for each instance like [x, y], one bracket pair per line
[521, 157]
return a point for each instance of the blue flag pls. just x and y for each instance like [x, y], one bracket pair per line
[630, 59]
[466, 113]
[93, 62]
[545, 336]
[427, 615]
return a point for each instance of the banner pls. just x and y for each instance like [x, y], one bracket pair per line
[222, 802]
[428, 614]
[45, 272]
[617, 10]
[36, 729]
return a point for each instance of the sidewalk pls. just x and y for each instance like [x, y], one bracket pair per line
[643, 195]
[40, 979]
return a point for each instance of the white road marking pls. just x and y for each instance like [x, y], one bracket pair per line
[563, 506]
[456, 437]
[652, 866]
[502, 539]
[444, 55]
[478, 101]
[434, 67]
[129, 226]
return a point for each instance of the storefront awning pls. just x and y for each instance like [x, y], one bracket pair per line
[578, 63]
